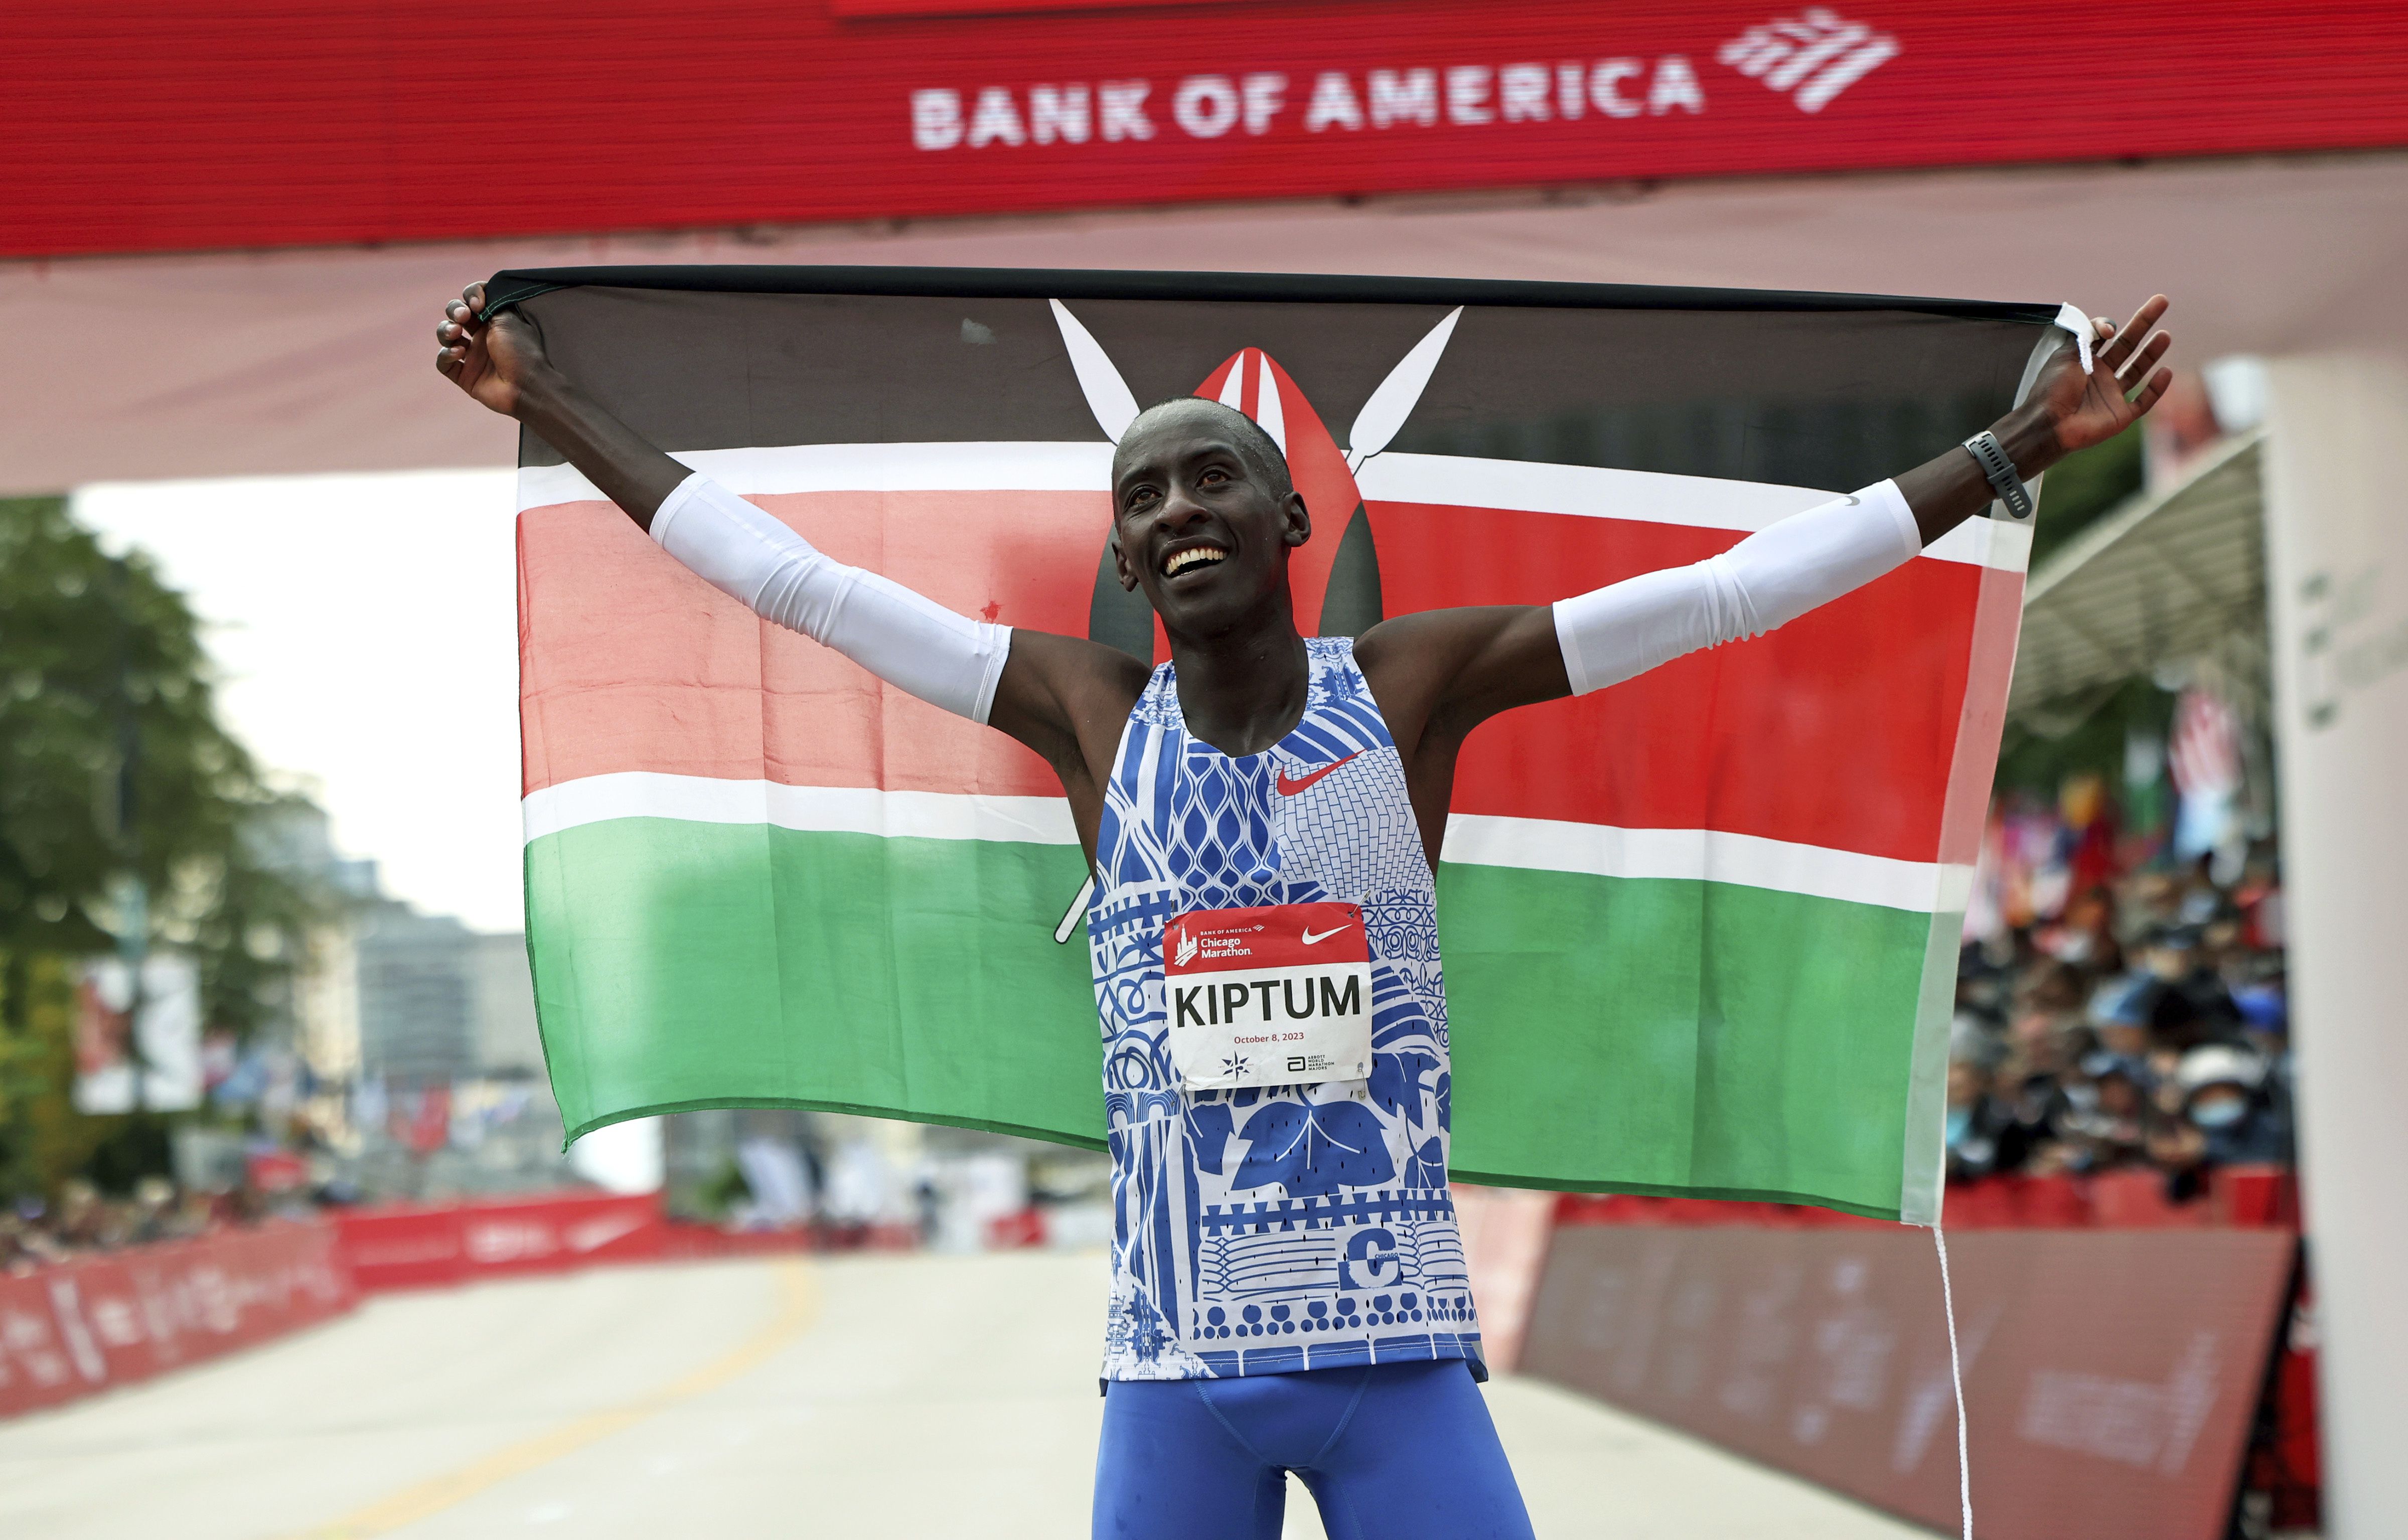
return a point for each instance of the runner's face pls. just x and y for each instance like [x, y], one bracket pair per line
[1195, 527]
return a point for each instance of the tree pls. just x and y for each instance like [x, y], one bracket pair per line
[42, 1136]
[114, 769]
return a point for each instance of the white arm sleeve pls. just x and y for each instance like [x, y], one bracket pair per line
[1767, 579]
[913, 644]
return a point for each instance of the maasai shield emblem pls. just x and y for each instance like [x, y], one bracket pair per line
[1335, 576]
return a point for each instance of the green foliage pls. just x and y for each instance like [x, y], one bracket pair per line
[719, 1196]
[43, 1139]
[2038, 764]
[113, 765]
[2081, 486]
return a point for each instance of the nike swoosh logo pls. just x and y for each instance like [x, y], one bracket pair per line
[1290, 787]
[1310, 938]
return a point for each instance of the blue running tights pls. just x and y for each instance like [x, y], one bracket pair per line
[1392, 1451]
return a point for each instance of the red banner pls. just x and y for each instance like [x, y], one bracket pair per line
[2110, 1375]
[154, 127]
[84, 1326]
[2248, 1196]
[403, 1245]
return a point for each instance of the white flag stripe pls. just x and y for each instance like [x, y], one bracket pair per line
[1536, 844]
[1585, 492]
[819, 809]
[1650, 497]
[1707, 855]
[1003, 465]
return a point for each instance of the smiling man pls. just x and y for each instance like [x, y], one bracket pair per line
[1261, 814]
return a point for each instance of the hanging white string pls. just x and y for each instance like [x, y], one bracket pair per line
[1956, 1380]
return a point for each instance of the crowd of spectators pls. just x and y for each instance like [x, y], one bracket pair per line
[2142, 1024]
[84, 1220]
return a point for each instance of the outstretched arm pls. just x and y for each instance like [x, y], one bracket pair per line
[502, 364]
[1062, 696]
[1441, 673]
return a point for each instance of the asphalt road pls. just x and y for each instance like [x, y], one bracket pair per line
[852, 1396]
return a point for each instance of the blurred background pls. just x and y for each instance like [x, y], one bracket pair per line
[290, 1246]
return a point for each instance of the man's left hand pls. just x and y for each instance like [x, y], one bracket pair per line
[2124, 382]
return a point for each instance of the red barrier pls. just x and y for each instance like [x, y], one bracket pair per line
[70, 1330]
[405, 1245]
[2111, 1377]
[2019, 1202]
[1505, 1238]
[1012, 1231]
[2283, 1464]
[80, 1327]
[1633, 1209]
[2236, 1197]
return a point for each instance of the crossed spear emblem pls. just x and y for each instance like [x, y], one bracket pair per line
[1257, 386]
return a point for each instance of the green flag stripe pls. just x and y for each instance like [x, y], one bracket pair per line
[683, 965]
[1751, 1042]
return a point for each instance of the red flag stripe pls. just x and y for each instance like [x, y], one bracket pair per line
[627, 662]
[637, 665]
[1770, 737]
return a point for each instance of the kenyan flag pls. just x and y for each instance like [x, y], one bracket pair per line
[1700, 928]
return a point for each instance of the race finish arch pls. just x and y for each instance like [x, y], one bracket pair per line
[129, 140]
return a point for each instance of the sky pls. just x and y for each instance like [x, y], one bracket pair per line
[365, 630]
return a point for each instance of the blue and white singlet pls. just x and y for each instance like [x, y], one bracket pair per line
[1301, 1227]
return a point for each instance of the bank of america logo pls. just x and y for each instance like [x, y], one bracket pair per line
[1813, 57]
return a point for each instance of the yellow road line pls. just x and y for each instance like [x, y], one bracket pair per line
[796, 1313]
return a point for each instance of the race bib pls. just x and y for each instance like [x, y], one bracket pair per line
[1272, 997]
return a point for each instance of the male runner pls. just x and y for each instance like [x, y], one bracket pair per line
[1307, 1311]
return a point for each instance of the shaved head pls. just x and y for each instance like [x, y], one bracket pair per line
[1261, 451]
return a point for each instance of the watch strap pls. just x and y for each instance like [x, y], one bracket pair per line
[1991, 456]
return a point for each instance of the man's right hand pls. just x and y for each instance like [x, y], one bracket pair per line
[492, 360]
[501, 363]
